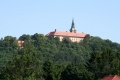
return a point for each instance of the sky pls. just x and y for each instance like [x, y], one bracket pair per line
[95, 17]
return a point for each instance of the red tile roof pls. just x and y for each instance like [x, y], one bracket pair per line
[112, 77]
[67, 34]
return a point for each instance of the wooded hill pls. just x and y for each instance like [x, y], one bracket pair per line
[46, 58]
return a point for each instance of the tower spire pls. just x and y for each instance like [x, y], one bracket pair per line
[73, 27]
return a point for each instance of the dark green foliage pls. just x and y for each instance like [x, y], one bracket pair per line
[47, 58]
[48, 70]
[76, 72]
[25, 37]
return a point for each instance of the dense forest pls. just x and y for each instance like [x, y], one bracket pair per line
[46, 58]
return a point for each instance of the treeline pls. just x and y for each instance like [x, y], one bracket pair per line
[46, 58]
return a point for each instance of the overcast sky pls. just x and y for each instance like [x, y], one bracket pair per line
[95, 17]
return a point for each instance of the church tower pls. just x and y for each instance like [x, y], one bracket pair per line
[73, 27]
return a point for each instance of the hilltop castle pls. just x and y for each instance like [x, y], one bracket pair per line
[72, 35]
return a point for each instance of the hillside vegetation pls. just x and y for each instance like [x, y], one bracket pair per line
[46, 58]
